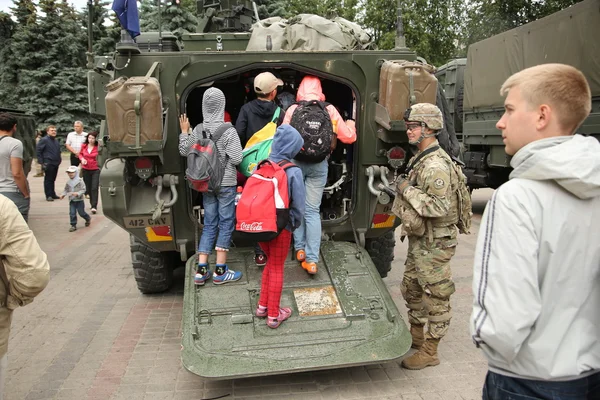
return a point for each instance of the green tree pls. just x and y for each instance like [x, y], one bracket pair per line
[105, 37]
[272, 8]
[174, 18]
[8, 67]
[488, 18]
[431, 27]
[50, 56]
[326, 8]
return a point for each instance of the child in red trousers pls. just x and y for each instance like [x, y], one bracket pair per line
[287, 142]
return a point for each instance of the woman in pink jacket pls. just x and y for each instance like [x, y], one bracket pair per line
[90, 170]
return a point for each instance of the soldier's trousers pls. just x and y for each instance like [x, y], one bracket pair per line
[427, 283]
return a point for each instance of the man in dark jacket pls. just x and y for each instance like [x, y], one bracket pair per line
[253, 116]
[48, 155]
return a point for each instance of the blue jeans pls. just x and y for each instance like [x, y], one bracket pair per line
[219, 217]
[308, 234]
[76, 207]
[21, 202]
[500, 387]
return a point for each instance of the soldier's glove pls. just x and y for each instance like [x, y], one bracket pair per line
[401, 185]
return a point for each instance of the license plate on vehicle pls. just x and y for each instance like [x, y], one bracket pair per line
[143, 221]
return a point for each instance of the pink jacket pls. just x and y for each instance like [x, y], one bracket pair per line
[91, 158]
[310, 89]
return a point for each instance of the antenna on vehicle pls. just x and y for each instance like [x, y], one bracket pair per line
[159, 27]
[400, 39]
[256, 14]
[90, 52]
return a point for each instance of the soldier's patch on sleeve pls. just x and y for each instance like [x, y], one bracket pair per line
[437, 182]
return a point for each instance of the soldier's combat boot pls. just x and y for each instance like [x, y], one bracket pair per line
[426, 356]
[418, 337]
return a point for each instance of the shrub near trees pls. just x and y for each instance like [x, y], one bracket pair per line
[43, 48]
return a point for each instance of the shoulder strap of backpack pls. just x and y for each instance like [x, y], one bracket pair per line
[220, 131]
[420, 157]
[276, 114]
[285, 164]
[2, 137]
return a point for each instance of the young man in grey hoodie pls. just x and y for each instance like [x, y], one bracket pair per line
[536, 278]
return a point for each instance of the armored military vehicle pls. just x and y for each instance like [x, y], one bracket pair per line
[472, 85]
[343, 315]
[26, 134]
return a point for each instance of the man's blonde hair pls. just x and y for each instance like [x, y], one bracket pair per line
[562, 87]
[50, 127]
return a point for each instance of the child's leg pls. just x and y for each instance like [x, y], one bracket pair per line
[278, 251]
[209, 231]
[263, 299]
[73, 212]
[81, 210]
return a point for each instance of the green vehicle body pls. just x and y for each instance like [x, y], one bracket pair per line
[472, 84]
[344, 315]
[26, 133]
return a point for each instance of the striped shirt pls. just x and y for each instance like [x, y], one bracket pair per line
[230, 151]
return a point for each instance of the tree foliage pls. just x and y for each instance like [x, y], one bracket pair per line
[174, 18]
[487, 18]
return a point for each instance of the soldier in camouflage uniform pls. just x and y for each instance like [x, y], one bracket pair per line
[428, 206]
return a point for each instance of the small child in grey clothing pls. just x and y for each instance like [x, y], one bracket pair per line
[75, 189]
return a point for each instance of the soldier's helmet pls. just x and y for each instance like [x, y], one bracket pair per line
[426, 113]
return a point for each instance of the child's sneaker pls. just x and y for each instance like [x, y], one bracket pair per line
[260, 260]
[200, 279]
[284, 313]
[228, 276]
[261, 311]
[88, 222]
[73, 228]
[300, 255]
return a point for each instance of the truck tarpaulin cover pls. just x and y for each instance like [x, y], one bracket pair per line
[569, 37]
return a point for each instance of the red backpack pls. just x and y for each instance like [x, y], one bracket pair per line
[263, 210]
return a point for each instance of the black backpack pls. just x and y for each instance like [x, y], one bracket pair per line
[205, 171]
[313, 122]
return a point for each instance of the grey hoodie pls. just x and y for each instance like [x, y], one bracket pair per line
[75, 185]
[536, 275]
[230, 149]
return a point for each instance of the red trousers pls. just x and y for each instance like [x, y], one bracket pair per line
[272, 278]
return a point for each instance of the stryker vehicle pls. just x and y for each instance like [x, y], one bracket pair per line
[26, 134]
[472, 85]
[343, 315]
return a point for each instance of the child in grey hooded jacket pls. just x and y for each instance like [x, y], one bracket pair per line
[75, 189]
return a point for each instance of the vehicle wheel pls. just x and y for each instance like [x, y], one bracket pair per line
[152, 269]
[381, 251]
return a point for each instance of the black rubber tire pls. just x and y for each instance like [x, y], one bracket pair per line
[381, 251]
[152, 269]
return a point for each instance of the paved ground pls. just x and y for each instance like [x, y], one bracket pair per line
[92, 335]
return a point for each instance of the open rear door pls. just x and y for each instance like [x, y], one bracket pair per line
[343, 316]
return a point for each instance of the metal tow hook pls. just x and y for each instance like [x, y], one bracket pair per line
[112, 189]
[371, 172]
[168, 180]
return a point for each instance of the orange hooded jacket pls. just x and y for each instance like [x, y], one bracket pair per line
[310, 89]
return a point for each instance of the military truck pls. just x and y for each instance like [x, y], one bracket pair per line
[26, 134]
[343, 315]
[472, 84]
